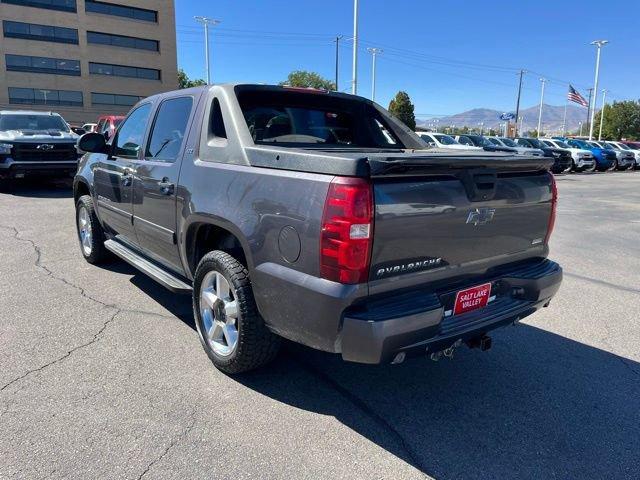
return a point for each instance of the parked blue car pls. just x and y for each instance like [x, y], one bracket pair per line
[605, 159]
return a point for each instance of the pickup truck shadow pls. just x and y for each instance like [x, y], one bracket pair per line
[41, 188]
[537, 406]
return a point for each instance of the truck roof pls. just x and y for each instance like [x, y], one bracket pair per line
[27, 112]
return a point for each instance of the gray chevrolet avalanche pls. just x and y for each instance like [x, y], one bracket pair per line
[320, 218]
[36, 144]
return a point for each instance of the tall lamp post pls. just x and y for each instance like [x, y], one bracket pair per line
[354, 73]
[374, 53]
[206, 22]
[599, 44]
[543, 81]
[604, 96]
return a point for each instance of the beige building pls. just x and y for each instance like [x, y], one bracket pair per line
[85, 58]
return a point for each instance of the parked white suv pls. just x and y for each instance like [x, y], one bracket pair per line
[583, 160]
[441, 140]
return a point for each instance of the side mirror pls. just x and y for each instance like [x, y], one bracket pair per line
[93, 143]
[78, 130]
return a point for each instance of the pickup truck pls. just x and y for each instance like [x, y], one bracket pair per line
[35, 143]
[318, 217]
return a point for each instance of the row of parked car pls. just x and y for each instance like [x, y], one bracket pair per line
[570, 154]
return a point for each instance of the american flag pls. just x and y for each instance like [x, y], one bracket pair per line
[574, 96]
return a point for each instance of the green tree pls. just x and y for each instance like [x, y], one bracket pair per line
[185, 82]
[303, 78]
[621, 120]
[402, 108]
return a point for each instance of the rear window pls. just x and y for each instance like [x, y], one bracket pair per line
[32, 122]
[291, 118]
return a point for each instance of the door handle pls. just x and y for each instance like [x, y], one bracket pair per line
[166, 187]
[126, 180]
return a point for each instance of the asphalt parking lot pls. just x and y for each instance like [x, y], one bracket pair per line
[102, 374]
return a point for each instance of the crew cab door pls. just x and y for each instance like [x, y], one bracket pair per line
[156, 179]
[113, 176]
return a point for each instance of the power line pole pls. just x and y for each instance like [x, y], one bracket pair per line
[522, 72]
[374, 52]
[604, 96]
[206, 22]
[338, 38]
[543, 81]
[354, 74]
[599, 44]
[589, 106]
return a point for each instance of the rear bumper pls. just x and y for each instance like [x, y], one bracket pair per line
[10, 168]
[377, 332]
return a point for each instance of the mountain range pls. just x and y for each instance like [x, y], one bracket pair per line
[551, 118]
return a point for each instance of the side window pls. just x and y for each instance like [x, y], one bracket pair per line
[129, 138]
[217, 122]
[465, 141]
[99, 126]
[168, 130]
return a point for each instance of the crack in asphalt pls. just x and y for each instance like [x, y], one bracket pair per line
[601, 282]
[411, 455]
[118, 310]
[172, 444]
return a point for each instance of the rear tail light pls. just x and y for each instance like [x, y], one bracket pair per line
[554, 206]
[347, 231]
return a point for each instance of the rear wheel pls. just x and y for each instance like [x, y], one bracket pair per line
[90, 233]
[614, 166]
[231, 330]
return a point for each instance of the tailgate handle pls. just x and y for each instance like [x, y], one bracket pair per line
[480, 185]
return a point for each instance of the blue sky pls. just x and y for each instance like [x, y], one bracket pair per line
[449, 56]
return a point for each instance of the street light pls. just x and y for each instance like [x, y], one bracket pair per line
[374, 52]
[580, 125]
[354, 73]
[604, 96]
[543, 81]
[435, 121]
[599, 44]
[206, 22]
[481, 127]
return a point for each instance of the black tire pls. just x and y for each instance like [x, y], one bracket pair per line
[256, 344]
[97, 253]
[5, 185]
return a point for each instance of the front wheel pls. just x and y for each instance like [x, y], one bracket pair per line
[614, 166]
[90, 233]
[231, 330]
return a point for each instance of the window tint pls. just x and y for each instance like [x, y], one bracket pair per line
[169, 129]
[56, 66]
[34, 31]
[217, 122]
[38, 96]
[465, 141]
[123, 41]
[129, 137]
[62, 5]
[123, 71]
[121, 11]
[32, 122]
[114, 99]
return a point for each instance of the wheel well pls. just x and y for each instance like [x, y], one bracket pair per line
[203, 238]
[80, 189]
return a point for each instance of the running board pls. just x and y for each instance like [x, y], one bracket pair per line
[161, 276]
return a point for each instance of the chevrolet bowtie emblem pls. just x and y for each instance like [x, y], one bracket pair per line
[45, 146]
[480, 216]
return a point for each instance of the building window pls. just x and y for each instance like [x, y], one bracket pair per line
[63, 5]
[114, 99]
[121, 11]
[41, 96]
[122, 41]
[55, 66]
[123, 71]
[34, 31]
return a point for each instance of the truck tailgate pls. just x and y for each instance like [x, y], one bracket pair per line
[446, 216]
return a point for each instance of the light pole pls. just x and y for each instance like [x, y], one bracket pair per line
[580, 125]
[564, 118]
[354, 74]
[521, 124]
[374, 52]
[206, 22]
[543, 81]
[604, 96]
[599, 44]
[481, 127]
[522, 72]
[435, 122]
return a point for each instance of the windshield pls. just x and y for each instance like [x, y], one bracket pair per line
[604, 145]
[508, 142]
[535, 142]
[581, 144]
[314, 120]
[561, 144]
[33, 122]
[445, 139]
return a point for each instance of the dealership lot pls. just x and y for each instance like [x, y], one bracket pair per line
[103, 375]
